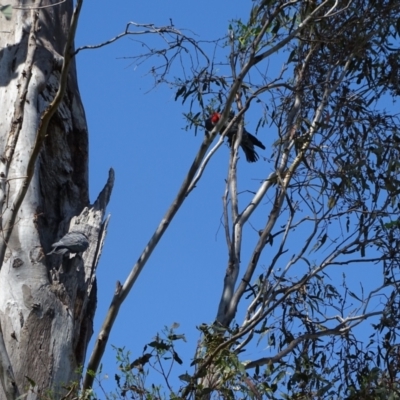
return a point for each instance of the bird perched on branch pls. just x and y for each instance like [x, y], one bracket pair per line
[248, 140]
[74, 242]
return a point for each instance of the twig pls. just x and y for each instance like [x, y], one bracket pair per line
[119, 297]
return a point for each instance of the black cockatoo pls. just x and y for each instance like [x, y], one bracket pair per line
[248, 140]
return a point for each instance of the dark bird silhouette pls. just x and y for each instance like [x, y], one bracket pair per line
[248, 140]
[74, 242]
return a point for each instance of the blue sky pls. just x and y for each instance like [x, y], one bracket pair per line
[140, 134]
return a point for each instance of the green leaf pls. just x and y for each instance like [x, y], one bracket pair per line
[177, 358]
[279, 377]
[292, 55]
[185, 377]
[141, 361]
[159, 345]
[180, 92]
[352, 294]
[195, 361]
[177, 337]
[331, 202]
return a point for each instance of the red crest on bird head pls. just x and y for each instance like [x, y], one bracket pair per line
[215, 116]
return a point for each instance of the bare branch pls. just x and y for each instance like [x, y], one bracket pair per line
[121, 295]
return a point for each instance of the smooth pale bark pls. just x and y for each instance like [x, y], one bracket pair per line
[47, 303]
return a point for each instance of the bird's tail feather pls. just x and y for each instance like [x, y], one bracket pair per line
[255, 141]
[251, 154]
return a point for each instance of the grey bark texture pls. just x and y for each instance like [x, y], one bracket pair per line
[47, 303]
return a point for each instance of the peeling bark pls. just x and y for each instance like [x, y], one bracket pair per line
[47, 303]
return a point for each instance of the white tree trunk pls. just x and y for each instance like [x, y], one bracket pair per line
[47, 303]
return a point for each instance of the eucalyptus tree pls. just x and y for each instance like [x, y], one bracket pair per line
[47, 302]
[327, 197]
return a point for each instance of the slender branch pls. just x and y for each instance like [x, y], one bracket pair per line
[273, 217]
[151, 29]
[203, 165]
[120, 296]
[226, 217]
[340, 330]
[229, 299]
[285, 41]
